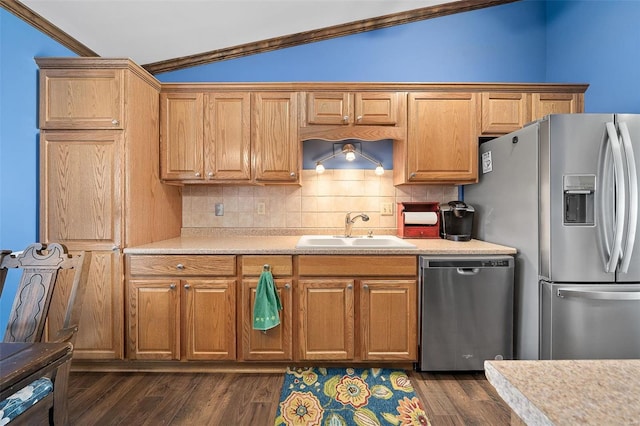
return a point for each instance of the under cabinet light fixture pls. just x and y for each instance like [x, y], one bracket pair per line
[349, 151]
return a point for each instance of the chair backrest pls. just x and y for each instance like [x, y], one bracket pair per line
[40, 266]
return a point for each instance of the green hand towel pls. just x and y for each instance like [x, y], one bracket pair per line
[267, 303]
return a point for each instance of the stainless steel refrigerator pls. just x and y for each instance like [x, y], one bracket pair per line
[564, 191]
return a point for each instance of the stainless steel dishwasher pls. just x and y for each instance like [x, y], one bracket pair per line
[466, 311]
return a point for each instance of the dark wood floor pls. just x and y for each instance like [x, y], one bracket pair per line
[251, 399]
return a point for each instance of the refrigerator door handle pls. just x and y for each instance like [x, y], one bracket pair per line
[633, 197]
[620, 197]
[599, 295]
[605, 205]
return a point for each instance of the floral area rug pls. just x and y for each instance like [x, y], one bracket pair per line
[348, 396]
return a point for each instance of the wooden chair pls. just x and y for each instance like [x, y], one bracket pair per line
[48, 273]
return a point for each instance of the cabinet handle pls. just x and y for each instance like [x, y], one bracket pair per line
[197, 174]
[287, 286]
[172, 286]
[180, 266]
[359, 118]
[210, 175]
[187, 286]
[345, 118]
[115, 122]
[349, 287]
[292, 174]
[412, 175]
[366, 287]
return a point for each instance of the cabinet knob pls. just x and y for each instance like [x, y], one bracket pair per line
[412, 175]
[359, 118]
[172, 286]
[187, 286]
[349, 286]
[287, 286]
[210, 175]
[180, 266]
[292, 174]
[366, 287]
[197, 174]
[345, 118]
[115, 122]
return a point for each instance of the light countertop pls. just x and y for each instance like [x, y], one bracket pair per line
[572, 392]
[287, 245]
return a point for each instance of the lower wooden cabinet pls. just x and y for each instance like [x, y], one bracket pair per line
[366, 311]
[190, 319]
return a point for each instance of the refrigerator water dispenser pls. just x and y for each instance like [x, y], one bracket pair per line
[579, 197]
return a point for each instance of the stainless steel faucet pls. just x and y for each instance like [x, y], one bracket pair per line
[348, 222]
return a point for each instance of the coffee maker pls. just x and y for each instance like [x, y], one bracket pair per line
[456, 222]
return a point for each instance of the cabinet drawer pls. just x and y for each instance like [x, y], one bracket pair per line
[182, 265]
[280, 265]
[353, 266]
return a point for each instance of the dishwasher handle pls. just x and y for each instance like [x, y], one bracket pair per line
[467, 271]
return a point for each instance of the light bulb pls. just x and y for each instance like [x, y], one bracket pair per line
[379, 170]
[319, 168]
[350, 156]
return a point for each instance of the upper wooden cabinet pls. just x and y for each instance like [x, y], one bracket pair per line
[277, 152]
[555, 103]
[229, 137]
[181, 135]
[442, 139]
[504, 112]
[363, 108]
[82, 99]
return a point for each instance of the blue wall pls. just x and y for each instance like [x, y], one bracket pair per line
[19, 44]
[554, 41]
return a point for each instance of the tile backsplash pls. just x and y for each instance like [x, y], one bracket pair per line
[320, 203]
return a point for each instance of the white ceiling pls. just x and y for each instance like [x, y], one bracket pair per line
[149, 31]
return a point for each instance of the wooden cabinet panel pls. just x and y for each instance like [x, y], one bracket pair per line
[280, 265]
[227, 136]
[182, 265]
[209, 319]
[555, 103]
[371, 108]
[442, 144]
[181, 135]
[82, 99]
[357, 265]
[504, 112]
[326, 319]
[275, 344]
[389, 320]
[154, 319]
[328, 108]
[276, 149]
[360, 108]
[81, 188]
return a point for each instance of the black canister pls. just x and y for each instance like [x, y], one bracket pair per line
[456, 222]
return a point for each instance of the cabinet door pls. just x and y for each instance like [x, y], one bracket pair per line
[326, 319]
[209, 319]
[504, 112]
[81, 99]
[389, 320]
[376, 108]
[154, 319]
[227, 136]
[328, 108]
[442, 143]
[276, 149]
[100, 331]
[181, 136]
[80, 188]
[555, 103]
[275, 343]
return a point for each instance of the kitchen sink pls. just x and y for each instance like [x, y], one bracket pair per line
[362, 242]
